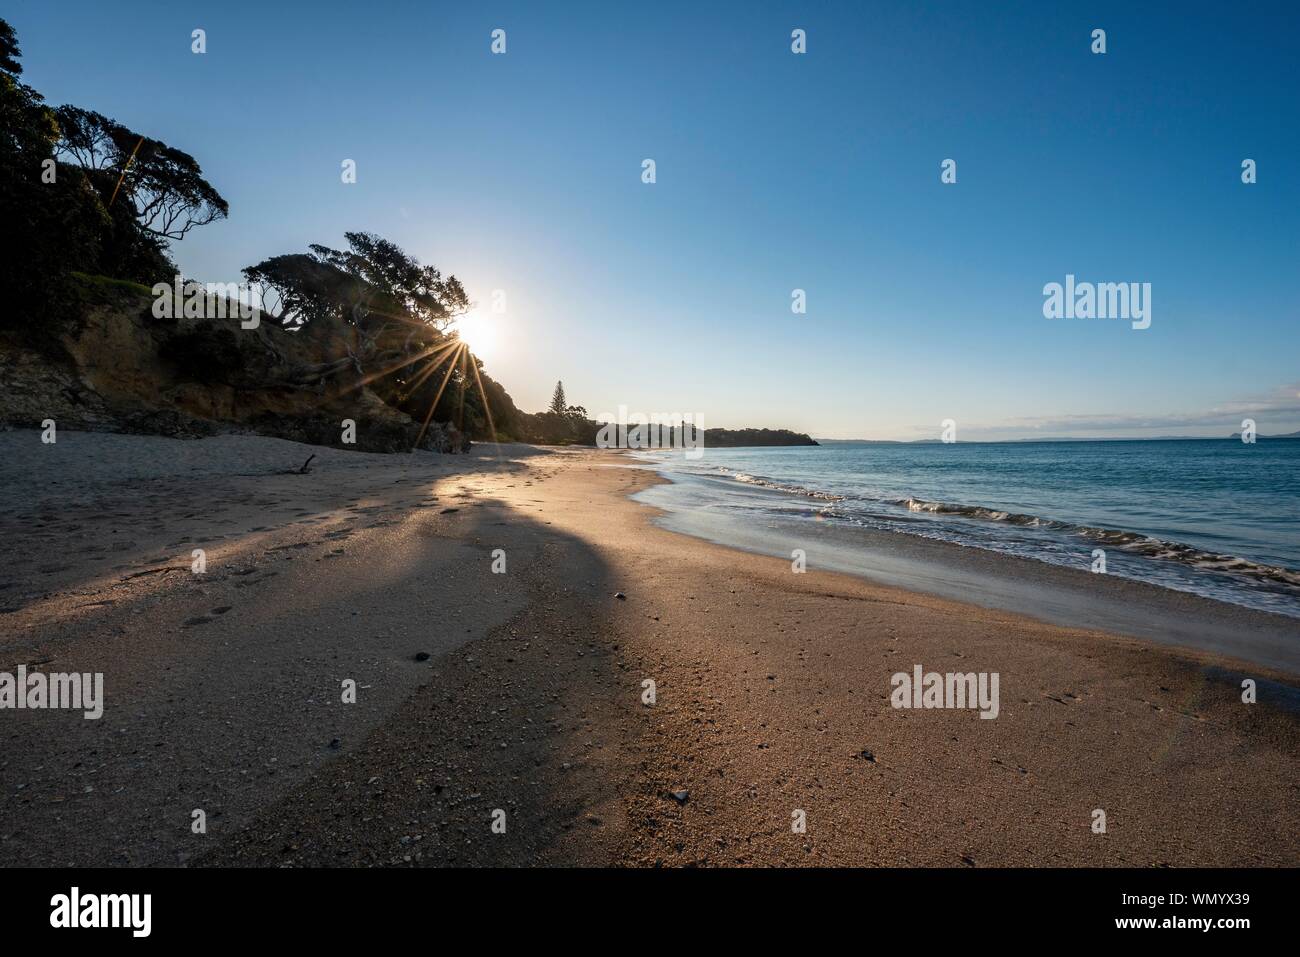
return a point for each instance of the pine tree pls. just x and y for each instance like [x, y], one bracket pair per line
[559, 405]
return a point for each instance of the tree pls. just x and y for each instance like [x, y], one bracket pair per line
[81, 191]
[386, 313]
[9, 52]
[51, 219]
[396, 282]
[164, 185]
[559, 405]
[373, 285]
[298, 288]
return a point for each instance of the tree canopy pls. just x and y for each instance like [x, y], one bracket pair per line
[370, 284]
[51, 221]
[395, 281]
[80, 190]
[397, 314]
[165, 185]
[9, 52]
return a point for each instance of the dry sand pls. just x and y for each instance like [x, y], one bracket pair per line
[772, 688]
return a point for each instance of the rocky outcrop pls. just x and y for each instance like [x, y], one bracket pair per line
[112, 365]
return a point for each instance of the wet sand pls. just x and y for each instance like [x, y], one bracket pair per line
[1071, 597]
[524, 692]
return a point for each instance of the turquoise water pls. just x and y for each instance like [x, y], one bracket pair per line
[1216, 517]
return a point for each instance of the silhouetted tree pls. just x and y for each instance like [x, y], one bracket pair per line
[396, 282]
[164, 185]
[81, 191]
[372, 285]
[9, 52]
[52, 221]
[395, 313]
[298, 288]
[559, 405]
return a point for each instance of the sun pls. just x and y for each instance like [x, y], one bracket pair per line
[478, 331]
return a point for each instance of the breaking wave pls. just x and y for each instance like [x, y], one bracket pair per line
[778, 486]
[1134, 542]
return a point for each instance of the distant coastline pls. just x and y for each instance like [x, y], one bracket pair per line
[1235, 436]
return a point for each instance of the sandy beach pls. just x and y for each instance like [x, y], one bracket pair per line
[524, 691]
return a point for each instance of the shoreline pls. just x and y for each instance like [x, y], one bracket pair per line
[771, 687]
[1050, 593]
[1219, 538]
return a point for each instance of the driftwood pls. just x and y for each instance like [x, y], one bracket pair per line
[304, 470]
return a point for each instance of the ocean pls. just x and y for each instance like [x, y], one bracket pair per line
[1217, 518]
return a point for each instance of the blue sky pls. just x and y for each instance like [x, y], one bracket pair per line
[775, 171]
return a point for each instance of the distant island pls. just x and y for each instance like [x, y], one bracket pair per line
[737, 438]
[564, 424]
[1288, 435]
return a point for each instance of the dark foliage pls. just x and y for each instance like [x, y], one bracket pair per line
[49, 226]
[80, 192]
[163, 185]
[397, 313]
